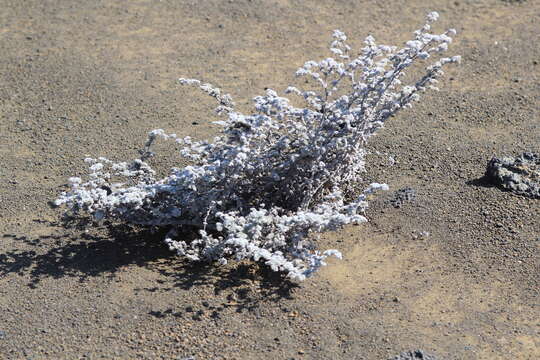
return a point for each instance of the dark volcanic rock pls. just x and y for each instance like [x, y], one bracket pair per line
[414, 355]
[520, 175]
[402, 196]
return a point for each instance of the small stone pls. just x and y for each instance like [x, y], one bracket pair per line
[2, 334]
[414, 355]
[519, 175]
[403, 196]
[293, 314]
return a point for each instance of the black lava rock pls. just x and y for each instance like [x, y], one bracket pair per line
[414, 355]
[520, 175]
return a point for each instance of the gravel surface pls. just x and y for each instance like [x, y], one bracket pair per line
[91, 78]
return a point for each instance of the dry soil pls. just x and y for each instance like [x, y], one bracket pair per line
[91, 78]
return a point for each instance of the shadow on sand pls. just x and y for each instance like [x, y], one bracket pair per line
[76, 252]
[483, 181]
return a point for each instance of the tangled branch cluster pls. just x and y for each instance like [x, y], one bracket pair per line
[272, 178]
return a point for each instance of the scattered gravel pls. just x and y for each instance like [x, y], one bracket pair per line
[81, 87]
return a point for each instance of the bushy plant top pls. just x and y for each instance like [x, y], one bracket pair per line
[275, 177]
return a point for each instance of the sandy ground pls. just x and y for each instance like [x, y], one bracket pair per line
[90, 78]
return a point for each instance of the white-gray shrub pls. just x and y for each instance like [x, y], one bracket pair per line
[273, 178]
